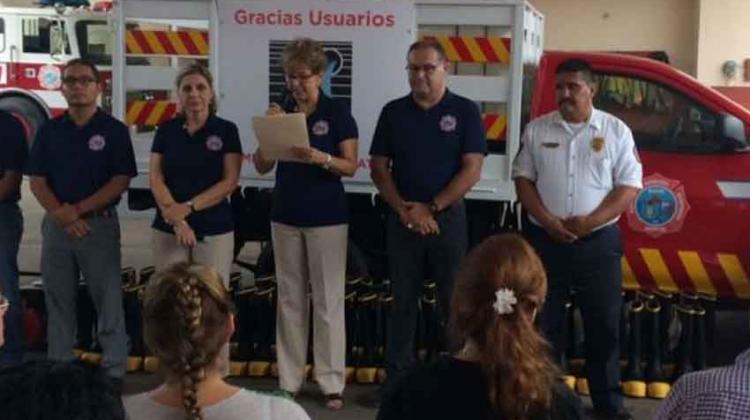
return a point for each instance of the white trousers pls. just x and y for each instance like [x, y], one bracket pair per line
[314, 256]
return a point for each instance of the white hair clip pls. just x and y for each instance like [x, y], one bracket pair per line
[504, 301]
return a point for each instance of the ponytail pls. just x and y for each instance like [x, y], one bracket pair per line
[499, 288]
[515, 362]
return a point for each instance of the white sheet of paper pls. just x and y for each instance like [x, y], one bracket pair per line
[278, 133]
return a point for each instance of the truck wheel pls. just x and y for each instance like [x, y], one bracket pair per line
[28, 112]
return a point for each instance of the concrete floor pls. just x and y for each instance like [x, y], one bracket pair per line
[136, 246]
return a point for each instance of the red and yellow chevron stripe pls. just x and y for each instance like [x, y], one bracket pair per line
[714, 274]
[186, 43]
[150, 112]
[474, 49]
[494, 126]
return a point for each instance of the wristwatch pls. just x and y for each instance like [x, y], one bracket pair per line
[327, 164]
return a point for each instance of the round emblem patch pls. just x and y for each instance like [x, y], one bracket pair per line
[660, 207]
[214, 143]
[97, 142]
[320, 128]
[448, 123]
[49, 77]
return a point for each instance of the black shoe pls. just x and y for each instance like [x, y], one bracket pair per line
[370, 400]
[620, 414]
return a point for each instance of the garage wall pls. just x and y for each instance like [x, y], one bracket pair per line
[610, 25]
[724, 35]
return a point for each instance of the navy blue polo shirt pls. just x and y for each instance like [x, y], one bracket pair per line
[78, 161]
[193, 164]
[13, 149]
[426, 146]
[307, 195]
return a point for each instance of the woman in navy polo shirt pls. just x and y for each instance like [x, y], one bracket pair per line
[309, 226]
[195, 164]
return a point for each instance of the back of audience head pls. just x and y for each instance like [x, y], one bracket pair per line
[48, 390]
[511, 352]
[187, 316]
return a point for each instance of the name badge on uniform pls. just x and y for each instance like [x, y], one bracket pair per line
[320, 128]
[214, 143]
[550, 145]
[448, 123]
[97, 143]
[597, 144]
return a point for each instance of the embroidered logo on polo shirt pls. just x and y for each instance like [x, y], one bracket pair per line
[214, 143]
[448, 123]
[320, 128]
[97, 143]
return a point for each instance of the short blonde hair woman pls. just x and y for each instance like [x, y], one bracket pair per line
[310, 224]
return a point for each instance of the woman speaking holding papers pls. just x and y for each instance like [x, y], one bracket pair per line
[309, 225]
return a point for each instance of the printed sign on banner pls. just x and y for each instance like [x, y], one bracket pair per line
[365, 43]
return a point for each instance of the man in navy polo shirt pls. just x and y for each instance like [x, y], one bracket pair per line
[427, 152]
[81, 162]
[13, 155]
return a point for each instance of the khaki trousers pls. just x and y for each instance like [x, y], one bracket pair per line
[314, 256]
[216, 251]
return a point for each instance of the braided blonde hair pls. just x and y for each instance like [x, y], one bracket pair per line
[185, 314]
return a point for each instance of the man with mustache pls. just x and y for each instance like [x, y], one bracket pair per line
[576, 172]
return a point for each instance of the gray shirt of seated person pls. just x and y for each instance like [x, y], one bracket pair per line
[241, 406]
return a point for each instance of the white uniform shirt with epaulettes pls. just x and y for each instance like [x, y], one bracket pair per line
[575, 168]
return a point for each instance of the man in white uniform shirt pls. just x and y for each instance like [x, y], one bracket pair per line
[576, 172]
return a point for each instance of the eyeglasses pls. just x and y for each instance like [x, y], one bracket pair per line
[428, 69]
[83, 80]
[298, 77]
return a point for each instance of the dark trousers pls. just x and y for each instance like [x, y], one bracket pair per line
[411, 257]
[590, 270]
[11, 229]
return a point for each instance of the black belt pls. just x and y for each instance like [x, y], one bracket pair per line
[106, 212]
[591, 236]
